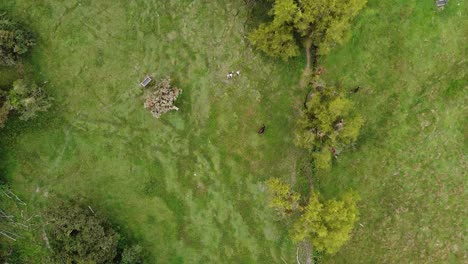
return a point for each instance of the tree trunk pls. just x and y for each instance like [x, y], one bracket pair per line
[305, 79]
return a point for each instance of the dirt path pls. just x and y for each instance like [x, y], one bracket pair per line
[309, 66]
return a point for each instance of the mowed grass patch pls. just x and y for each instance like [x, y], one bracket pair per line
[188, 187]
[410, 163]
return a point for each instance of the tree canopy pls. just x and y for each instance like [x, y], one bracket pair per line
[321, 23]
[79, 236]
[327, 125]
[14, 41]
[327, 224]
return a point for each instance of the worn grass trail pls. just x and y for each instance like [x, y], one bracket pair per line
[188, 186]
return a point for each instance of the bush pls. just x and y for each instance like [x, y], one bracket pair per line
[282, 198]
[14, 41]
[28, 99]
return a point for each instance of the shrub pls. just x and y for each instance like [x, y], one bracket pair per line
[28, 99]
[282, 198]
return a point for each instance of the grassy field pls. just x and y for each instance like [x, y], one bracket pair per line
[410, 163]
[188, 187]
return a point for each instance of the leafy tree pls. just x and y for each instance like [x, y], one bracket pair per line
[327, 125]
[77, 235]
[28, 99]
[14, 41]
[320, 23]
[282, 198]
[276, 38]
[162, 97]
[327, 224]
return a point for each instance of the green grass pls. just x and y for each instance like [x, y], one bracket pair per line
[188, 186]
[410, 163]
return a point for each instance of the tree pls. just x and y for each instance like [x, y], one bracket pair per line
[282, 198]
[80, 236]
[161, 98]
[28, 99]
[14, 41]
[319, 23]
[276, 38]
[327, 224]
[327, 125]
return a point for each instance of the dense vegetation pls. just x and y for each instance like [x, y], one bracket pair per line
[322, 24]
[189, 187]
[325, 224]
[22, 97]
[80, 235]
[327, 125]
[14, 41]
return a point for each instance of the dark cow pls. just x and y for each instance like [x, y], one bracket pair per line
[262, 129]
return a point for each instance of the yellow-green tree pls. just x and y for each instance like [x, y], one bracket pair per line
[327, 125]
[320, 23]
[282, 198]
[276, 38]
[326, 224]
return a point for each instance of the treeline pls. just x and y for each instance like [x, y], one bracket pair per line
[326, 127]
